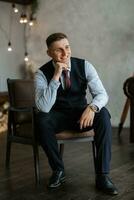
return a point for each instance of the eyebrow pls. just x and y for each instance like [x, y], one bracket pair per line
[61, 47]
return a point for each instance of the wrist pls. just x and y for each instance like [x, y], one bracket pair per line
[94, 108]
[56, 77]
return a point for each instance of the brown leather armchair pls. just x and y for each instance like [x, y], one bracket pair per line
[21, 124]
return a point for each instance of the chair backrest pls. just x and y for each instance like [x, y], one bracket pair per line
[128, 87]
[21, 92]
[21, 95]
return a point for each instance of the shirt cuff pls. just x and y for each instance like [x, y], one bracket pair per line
[54, 84]
[96, 107]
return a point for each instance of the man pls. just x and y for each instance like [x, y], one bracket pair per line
[62, 104]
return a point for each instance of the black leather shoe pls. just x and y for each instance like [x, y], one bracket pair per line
[57, 178]
[104, 184]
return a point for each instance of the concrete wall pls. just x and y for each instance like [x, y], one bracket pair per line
[11, 63]
[101, 31]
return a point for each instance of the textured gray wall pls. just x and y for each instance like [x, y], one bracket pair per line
[101, 31]
[10, 62]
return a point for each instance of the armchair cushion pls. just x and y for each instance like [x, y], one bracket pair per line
[73, 134]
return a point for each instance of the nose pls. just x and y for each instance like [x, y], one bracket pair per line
[64, 52]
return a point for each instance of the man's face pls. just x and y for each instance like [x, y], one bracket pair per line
[60, 51]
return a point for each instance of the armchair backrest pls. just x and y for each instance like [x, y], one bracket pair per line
[21, 92]
[21, 95]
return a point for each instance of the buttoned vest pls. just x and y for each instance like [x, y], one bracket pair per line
[75, 97]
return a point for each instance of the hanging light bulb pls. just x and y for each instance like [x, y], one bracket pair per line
[9, 46]
[26, 57]
[25, 20]
[15, 9]
[31, 22]
[21, 19]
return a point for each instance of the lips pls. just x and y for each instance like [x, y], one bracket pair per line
[65, 60]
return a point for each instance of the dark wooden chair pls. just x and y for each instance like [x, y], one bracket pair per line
[128, 88]
[21, 123]
[21, 119]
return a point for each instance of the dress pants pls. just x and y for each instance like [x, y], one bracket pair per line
[49, 124]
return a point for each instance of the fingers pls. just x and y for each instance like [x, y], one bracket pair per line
[59, 67]
[62, 66]
[87, 118]
[58, 70]
[84, 123]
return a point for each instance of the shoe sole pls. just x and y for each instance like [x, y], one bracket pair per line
[55, 186]
[106, 192]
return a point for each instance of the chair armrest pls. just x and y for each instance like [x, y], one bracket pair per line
[20, 115]
[21, 109]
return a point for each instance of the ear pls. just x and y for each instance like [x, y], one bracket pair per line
[48, 52]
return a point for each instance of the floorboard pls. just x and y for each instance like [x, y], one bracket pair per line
[18, 183]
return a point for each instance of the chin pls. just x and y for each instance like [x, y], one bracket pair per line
[65, 60]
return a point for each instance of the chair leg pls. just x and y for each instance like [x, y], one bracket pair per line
[61, 149]
[8, 153]
[94, 155]
[36, 164]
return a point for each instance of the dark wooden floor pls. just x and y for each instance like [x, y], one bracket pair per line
[18, 183]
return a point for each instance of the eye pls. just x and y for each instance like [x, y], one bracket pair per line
[58, 50]
[67, 47]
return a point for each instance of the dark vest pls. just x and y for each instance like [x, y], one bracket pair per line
[74, 97]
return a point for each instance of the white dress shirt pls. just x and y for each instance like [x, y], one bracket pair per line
[45, 95]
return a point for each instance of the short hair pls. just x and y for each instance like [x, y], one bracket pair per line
[54, 37]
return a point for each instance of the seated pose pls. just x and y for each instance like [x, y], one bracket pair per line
[60, 97]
